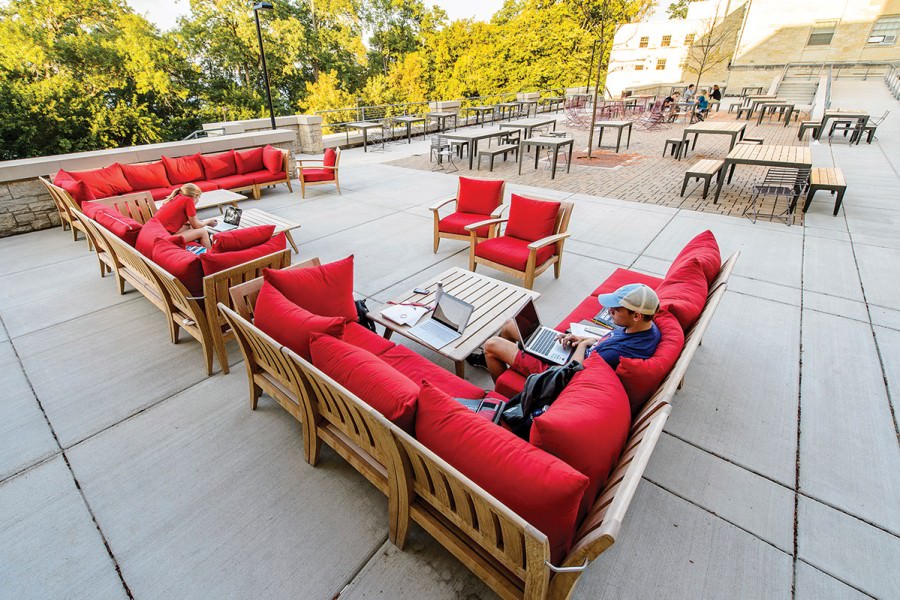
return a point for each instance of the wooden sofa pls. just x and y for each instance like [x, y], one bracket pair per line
[508, 553]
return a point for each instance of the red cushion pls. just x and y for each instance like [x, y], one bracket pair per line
[218, 165]
[509, 383]
[105, 182]
[330, 157]
[289, 324]
[213, 262]
[622, 277]
[265, 176]
[325, 290]
[537, 486]
[273, 159]
[531, 219]
[185, 169]
[149, 233]
[512, 252]
[124, 227]
[587, 425]
[181, 263]
[683, 293]
[642, 376]
[146, 177]
[160, 193]
[90, 209]
[317, 174]
[705, 250]
[586, 310]
[207, 186]
[417, 367]
[249, 160]
[79, 190]
[241, 239]
[456, 223]
[371, 379]
[230, 182]
[356, 334]
[480, 196]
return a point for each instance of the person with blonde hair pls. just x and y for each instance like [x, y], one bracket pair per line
[178, 215]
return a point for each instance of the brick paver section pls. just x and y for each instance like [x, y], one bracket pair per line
[640, 173]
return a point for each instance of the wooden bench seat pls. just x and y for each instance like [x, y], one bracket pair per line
[831, 179]
[504, 149]
[679, 147]
[704, 169]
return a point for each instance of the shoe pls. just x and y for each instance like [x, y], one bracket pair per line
[476, 359]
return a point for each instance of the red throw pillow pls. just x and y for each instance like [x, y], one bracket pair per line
[213, 262]
[219, 165]
[105, 182]
[683, 293]
[79, 190]
[123, 227]
[642, 376]
[289, 324]
[359, 336]
[705, 249]
[417, 367]
[249, 161]
[537, 486]
[149, 233]
[146, 177]
[375, 382]
[185, 169]
[273, 159]
[587, 425]
[325, 290]
[530, 219]
[330, 157]
[241, 239]
[480, 196]
[181, 263]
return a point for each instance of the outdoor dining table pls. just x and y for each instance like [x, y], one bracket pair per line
[786, 107]
[409, 121]
[746, 91]
[619, 125]
[551, 142]
[793, 157]
[751, 97]
[527, 104]
[842, 115]
[365, 126]
[528, 125]
[441, 118]
[755, 103]
[480, 111]
[735, 129]
[473, 137]
[509, 109]
[559, 101]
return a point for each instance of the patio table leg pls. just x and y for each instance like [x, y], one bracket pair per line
[569, 162]
[521, 154]
[537, 155]
[365, 140]
[627, 144]
[720, 181]
[553, 168]
[600, 137]
[618, 139]
[694, 145]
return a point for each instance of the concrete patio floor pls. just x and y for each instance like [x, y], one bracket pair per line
[126, 472]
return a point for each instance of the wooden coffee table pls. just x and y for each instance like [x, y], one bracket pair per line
[495, 302]
[251, 217]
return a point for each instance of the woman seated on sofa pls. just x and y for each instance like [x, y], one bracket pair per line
[636, 336]
[178, 215]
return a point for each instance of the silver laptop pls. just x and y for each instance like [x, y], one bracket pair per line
[539, 340]
[447, 322]
[230, 221]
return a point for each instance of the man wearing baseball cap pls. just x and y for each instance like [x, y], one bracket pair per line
[635, 336]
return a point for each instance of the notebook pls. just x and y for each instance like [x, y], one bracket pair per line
[539, 340]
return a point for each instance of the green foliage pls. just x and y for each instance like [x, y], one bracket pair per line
[678, 9]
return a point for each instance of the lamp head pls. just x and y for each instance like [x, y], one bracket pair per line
[263, 6]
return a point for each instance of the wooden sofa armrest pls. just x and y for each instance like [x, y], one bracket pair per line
[441, 203]
[550, 239]
[472, 227]
[498, 212]
[301, 167]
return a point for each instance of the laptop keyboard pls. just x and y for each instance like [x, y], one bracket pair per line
[544, 342]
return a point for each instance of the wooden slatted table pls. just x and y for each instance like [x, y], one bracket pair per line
[495, 302]
[529, 125]
[364, 126]
[796, 157]
[473, 137]
[842, 115]
[409, 121]
[735, 129]
[255, 216]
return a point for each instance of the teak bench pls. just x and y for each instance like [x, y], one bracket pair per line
[704, 169]
[831, 179]
[492, 153]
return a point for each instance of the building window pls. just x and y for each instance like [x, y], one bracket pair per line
[638, 67]
[666, 41]
[660, 64]
[885, 31]
[689, 39]
[821, 33]
[645, 41]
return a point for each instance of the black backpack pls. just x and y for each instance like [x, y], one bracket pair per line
[540, 390]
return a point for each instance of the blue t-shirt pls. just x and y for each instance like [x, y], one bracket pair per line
[617, 343]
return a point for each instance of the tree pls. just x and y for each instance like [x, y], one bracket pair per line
[715, 44]
[678, 9]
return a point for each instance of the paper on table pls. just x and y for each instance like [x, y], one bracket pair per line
[403, 314]
[588, 330]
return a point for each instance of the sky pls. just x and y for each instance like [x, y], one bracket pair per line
[164, 14]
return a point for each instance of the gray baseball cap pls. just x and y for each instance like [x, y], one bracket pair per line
[634, 296]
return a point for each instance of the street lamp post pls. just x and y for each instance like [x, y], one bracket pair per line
[256, 8]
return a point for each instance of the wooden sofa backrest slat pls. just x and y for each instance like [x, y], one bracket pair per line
[243, 296]
[140, 206]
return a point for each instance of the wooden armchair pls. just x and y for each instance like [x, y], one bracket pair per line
[476, 200]
[532, 241]
[324, 171]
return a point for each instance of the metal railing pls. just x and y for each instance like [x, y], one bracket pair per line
[200, 133]
[892, 80]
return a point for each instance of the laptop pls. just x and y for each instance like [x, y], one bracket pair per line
[447, 322]
[230, 221]
[539, 340]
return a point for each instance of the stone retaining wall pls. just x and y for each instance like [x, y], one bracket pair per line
[307, 130]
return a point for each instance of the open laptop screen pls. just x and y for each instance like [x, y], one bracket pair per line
[452, 312]
[527, 320]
